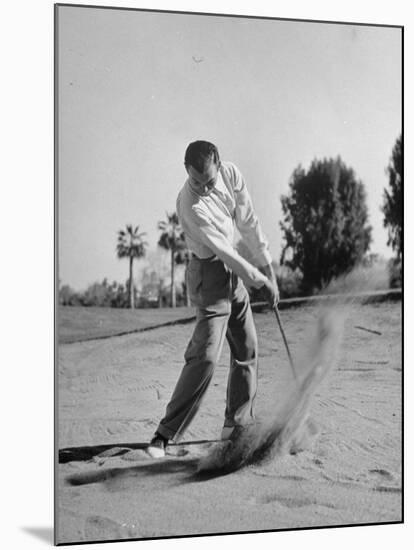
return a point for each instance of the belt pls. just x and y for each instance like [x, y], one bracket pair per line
[202, 259]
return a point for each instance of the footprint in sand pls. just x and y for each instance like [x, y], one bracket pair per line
[385, 489]
[290, 502]
[382, 474]
[101, 528]
[293, 478]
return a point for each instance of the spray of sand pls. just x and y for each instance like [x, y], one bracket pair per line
[288, 428]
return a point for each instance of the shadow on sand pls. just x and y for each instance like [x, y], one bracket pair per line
[187, 465]
[88, 453]
[116, 449]
[167, 466]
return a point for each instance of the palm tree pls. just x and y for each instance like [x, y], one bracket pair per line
[172, 239]
[131, 245]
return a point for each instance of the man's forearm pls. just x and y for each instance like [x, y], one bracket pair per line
[268, 271]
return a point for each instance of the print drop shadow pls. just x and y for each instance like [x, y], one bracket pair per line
[44, 534]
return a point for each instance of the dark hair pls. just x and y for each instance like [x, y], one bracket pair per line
[199, 154]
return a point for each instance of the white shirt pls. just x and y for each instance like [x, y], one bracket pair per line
[209, 220]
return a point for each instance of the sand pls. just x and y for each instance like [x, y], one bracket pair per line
[113, 392]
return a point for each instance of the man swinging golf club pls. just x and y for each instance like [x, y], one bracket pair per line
[214, 200]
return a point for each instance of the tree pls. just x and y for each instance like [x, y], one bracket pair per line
[152, 287]
[66, 295]
[131, 245]
[325, 222]
[172, 239]
[392, 206]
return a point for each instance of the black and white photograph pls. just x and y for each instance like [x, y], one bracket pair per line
[228, 274]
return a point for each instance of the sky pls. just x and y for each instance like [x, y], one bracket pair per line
[134, 88]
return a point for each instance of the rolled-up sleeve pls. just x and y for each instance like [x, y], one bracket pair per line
[247, 222]
[198, 224]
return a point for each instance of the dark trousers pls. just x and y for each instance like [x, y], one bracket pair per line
[223, 310]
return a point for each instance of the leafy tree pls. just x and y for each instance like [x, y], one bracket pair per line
[120, 295]
[172, 239]
[392, 206]
[96, 294]
[288, 281]
[325, 222]
[131, 245]
[152, 287]
[67, 296]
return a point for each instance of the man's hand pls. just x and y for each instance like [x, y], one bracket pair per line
[271, 292]
[270, 288]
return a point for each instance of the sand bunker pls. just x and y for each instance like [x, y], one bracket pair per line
[112, 393]
[289, 428]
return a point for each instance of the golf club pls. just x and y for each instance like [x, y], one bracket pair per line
[275, 309]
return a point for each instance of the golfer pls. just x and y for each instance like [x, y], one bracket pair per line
[213, 201]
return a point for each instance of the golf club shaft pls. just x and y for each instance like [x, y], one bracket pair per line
[285, 342]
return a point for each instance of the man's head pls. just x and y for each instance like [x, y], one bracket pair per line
[202, 163]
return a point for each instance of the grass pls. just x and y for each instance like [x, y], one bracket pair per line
[77, 324]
